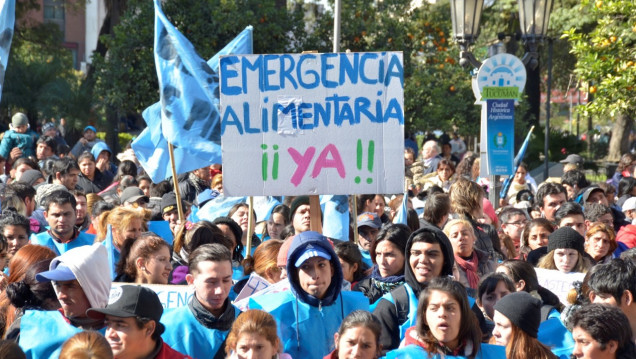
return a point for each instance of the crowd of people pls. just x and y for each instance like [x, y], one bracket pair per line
[86, 236]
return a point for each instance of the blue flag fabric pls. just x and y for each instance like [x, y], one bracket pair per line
[188, 114]
[517, 162]
[402, 214]
[7, 21]
[220, 206]
[335, 211]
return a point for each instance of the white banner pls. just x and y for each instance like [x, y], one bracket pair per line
[312, 123]
[171, 296]
[557, 282]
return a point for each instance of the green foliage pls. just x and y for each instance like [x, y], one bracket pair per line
[126, 76]
[560, 146]
[606, 56]
[40, 79]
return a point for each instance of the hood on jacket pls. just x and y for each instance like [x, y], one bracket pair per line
[100, 146]
[435, 234]
[299, 244]
[90, 266]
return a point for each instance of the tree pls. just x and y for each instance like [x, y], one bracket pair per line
[606, 60]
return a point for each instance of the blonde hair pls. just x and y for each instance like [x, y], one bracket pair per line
[465, 197]
[463, 222]
[253, 321]
[120, 218]
[217, 180]
[86, 345]
[582, 263]
[265, 258]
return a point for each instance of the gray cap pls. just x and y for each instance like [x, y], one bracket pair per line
[133, 194]
[573, 158]
[19, 119]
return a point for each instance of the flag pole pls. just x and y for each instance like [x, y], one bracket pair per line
[250, 226]
[315, 223]
[355, 219]
[336, 27]
[175, 182]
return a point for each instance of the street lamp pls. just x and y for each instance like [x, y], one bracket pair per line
[534, 17]
[465, 15]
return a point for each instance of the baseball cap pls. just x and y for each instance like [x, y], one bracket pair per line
[132, 194]
[369, 219]
[92, 128]
[60, 273]
[129, 301]
[588, 192]
[168, 202]
[573, 158]
[630, 204]
[310, 252]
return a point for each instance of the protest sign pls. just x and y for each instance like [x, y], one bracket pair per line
[312, 123]
[558, 282]
[170, 296]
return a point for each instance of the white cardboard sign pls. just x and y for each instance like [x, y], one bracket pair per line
[295, 124]
[557, 282]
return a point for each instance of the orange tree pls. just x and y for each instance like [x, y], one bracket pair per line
[606, 59]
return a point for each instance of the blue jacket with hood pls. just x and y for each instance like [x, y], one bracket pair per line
[307, 324]
[394, 324]
[112, 170]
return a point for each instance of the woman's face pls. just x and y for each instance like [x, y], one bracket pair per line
[538, 237]
[357, 343]
[255, 346]
[597, 245]
[565, 259]
[376, 205]
[520, 176]
[443, 317]
[133, 230]
[462, 238]
[444, 172]
[488, 300]
[348, 269]
[87, 167]
[503, 329]
[275, 225]
[144, 185]
[157, 267]
[241, 217]
[389, 258]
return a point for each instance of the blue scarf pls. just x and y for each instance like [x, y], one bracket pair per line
[385, 284]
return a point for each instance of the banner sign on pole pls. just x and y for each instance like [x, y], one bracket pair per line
[557, 282]
[501, 135]
[295, 124]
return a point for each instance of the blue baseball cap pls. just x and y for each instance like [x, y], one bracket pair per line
[310, 252]
[92, 128]
[58, 274]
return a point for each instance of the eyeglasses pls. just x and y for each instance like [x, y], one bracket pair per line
[518, 224]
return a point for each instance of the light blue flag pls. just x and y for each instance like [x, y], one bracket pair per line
[263, 206]
[219, 206]
[189, 88]
[402, 214]
[7, 21]
[191, 150]
[335, 212]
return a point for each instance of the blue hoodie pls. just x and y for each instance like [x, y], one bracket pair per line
[96, 150]
[306, 323]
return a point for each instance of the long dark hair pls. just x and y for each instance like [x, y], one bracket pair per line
[469, 326]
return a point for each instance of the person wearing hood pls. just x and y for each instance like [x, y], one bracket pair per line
[81, 281]
[102, 154]
[313, 309]
[200, 328]
[429, 254]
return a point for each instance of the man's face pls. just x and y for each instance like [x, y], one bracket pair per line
[72, 298]
[607, 219]
[212, 282]
[16, 238]
[20, 170]
[586, 347]
[314, 276]
[576, 222]
[551, 203]
[426, 261]
[408, 159]
[514, 227]
[80, 209]
[172, 217]
[125, 337]
[89, 135]
[366, 237]
[61, 219]
[301, 220]
[144, 185]
[429, 151]
[203, 173]
[597, 196]
[70, 179]
[43, 151]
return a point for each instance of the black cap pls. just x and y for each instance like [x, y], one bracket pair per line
[129, 301]
[297, 202]
[566, 237]
[168, 202]
[523, 310]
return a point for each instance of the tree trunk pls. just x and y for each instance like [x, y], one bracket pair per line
[619, 143]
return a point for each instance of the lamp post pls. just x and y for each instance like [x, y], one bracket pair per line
[466, 15]
[534, 17]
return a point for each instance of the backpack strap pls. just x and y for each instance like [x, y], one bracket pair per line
[545, 311]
